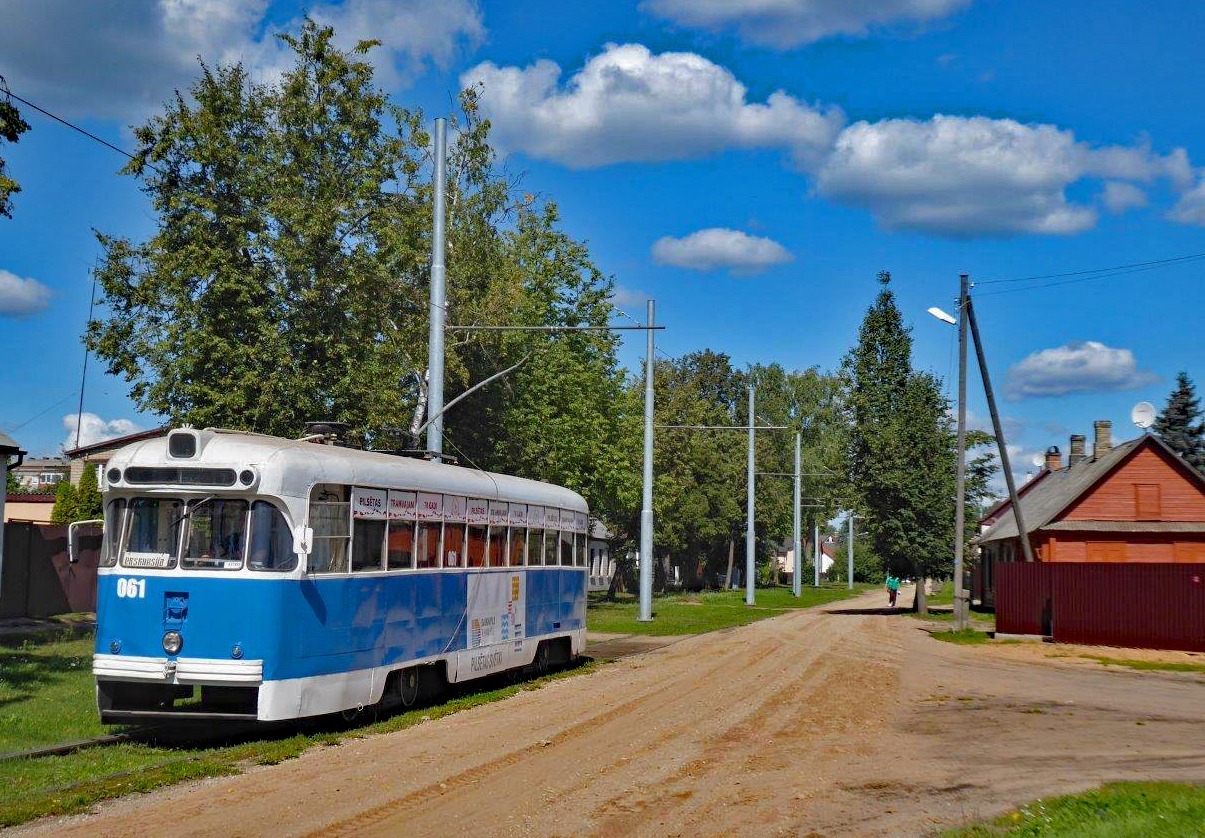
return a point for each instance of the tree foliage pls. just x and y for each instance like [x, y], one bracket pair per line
[12, 126]
[66, 505]
[287, 279]
[1181, 424]
[901, 446]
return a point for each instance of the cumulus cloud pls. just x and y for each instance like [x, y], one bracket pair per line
[718, 248]
[628, 297]
[968, 176]
[21, 296]
[1077, 367]
[788, 23]
[1119, 196]
[1190, 209]
[627, 104]
[93, 429]
[123, 60]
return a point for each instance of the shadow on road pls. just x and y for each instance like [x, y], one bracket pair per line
[882, 612]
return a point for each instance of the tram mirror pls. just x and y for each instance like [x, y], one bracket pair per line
[76, 537]
[303, 540]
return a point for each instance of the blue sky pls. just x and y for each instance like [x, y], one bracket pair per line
[749, 164]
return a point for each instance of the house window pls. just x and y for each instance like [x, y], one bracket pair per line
[1147, 501]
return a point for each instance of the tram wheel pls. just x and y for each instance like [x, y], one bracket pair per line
[541, 661]
[407, 686]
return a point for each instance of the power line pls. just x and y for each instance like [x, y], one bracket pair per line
[1103, 272]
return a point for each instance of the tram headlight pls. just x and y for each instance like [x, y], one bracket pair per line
[114, 475]
[172, 642]
[237, 651]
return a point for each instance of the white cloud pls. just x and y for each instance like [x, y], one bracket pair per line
[719, 248]
[1078, 367]
[93, 429]
[21, 296]
[123, 60]
[628, 297]
[1190, 209]
[971, 176]
[628, 104]
[1119, 196]
[789, 23]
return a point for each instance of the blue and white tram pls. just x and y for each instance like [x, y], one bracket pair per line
[256, 578]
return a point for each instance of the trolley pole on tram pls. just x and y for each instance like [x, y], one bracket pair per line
[438, 304]
[646, 503]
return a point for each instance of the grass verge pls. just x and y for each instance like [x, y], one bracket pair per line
[676, 614]
[1117, 810]
[61, 785]
[1157, 666]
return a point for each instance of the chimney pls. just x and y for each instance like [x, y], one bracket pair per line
[1054, 458]
[1104, 437]
[1077, 454]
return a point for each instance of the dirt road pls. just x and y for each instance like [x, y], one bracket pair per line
[814, 723]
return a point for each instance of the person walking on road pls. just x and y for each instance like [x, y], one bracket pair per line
[893, 588]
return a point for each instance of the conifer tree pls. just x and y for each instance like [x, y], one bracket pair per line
[66, 508]
[1180, 423]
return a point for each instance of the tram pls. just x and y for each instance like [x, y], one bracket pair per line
[248, 577]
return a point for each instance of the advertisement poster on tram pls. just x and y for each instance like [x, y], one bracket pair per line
[497, 603]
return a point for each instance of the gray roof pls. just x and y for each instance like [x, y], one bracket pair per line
[1058, 490]
[8, 445]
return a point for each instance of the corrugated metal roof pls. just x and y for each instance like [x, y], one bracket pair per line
[1125, 526]
[1063, 487]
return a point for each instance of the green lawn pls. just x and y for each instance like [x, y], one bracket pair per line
[707, 611]
[47, 694]
[1154, 666]
[1117, 810]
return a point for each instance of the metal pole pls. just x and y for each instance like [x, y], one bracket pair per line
[1026, 548]
[816, 551]
[437, 312]
[960, 468]
[796, 579]
[850, 551]
[750, 538]
[646, 504]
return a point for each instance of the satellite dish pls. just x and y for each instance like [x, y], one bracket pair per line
[1143, 415]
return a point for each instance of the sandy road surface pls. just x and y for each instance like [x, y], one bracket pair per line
[813, 723]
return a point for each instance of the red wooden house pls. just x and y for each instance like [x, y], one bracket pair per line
[1137, 502]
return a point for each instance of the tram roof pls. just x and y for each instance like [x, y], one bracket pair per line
[291, 467]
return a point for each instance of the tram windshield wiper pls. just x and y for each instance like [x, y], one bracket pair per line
[191, 507]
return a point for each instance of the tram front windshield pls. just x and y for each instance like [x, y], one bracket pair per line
[209, 533]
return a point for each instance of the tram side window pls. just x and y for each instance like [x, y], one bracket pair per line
[401, 545]
[114, 518]
[271, 541]
[476, 552]
[497, 546]
[518, 541]
[453, 545]
[330, 518]
[428, 544]
[535, 546]
[580, 545]
[367, 545]
[566, 548]
[154, 532]
[216, 534]
[550, 543]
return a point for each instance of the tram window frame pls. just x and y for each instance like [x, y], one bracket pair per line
[335, 555]
[535, 546]
[365, 532]
[551, 542]
[566, 540]
[496, 549]
[111, 543]
[516, 537]
[476, 546]
[174, 519]
[579, 550]
[279, 539]
[424, 557]
[400, 527]
[203, 511]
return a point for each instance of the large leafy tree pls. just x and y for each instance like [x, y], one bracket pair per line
[12, 126]
[1180, 423]
[288, 277]
[900, 446]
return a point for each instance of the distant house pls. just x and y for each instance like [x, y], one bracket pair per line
[1137, 502]
[98, 453]
[42, 473]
